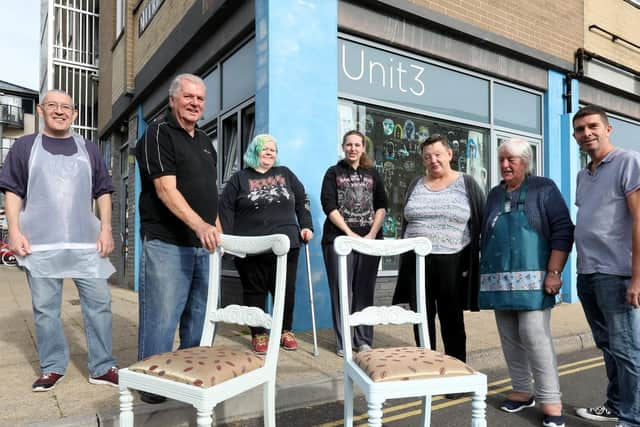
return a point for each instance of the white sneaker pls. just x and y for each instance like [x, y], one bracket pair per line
[599, 413]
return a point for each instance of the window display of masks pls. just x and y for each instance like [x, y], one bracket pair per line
[393, 142]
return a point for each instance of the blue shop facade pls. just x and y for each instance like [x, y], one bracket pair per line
[306, 72]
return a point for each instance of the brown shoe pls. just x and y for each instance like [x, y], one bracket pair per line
[46, 382]
[109, 378]
[288, 341]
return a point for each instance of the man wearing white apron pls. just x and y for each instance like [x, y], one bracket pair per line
[50, 179]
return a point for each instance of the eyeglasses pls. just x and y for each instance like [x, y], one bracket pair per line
[53, 106]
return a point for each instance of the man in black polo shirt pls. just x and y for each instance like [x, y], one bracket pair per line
[179, 223]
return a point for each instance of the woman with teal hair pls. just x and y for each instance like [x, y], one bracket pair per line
[265, 198]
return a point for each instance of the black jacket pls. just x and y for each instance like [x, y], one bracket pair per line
[470, 277]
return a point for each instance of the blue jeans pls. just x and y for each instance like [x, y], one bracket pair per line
[95, 303]
[173, 289]
[616, 330]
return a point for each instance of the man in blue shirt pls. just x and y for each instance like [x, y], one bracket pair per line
[607, 237]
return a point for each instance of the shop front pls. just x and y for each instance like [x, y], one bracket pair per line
[399, 99]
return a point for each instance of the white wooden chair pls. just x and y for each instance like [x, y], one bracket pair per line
[206, 375]
[389, 373]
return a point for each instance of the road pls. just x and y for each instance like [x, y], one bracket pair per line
[582, 378]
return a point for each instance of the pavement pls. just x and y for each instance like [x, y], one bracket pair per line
[303, 379]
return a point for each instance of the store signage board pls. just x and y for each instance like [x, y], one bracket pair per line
[377, 74]
[147, 14]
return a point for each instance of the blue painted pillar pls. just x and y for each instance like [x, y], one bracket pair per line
[296, 102]
[558, 152]
[569, 176]
[137, 249]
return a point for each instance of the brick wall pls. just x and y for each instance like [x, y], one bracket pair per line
[620, 18]
[165, 20]
[551, 26]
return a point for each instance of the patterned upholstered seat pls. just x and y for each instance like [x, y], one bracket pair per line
[409, 363]
[206, 375]
[400, 372]
[201, 366]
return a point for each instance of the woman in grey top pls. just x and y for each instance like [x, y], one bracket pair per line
[445, 206]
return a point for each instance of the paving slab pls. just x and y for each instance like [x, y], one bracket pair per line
[302, 378]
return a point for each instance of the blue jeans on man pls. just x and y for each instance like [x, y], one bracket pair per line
[173, 290]
[95, 303]
[616, 330]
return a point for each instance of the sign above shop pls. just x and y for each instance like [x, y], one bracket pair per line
[377, 74]
[147, 14]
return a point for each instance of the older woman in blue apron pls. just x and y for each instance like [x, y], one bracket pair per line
[527, 235]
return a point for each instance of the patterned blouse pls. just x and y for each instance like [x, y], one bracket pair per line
[442, 216]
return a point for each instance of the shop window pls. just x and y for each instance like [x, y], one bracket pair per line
[121, 17]
[517, 109]
[393, 142]
[238, 129]
[212, 100]
[625, 133]
[229, 154]
[238, 76]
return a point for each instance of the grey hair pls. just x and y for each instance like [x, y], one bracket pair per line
[45, 94]
[520, 148]
[176, 84]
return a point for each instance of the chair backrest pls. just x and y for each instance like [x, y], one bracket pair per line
[376, 315]
[243, 315]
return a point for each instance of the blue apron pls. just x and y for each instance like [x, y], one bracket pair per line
[514, 261]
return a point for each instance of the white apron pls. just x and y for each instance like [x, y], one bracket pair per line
[57, 219]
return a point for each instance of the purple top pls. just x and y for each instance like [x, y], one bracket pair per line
[15, 171]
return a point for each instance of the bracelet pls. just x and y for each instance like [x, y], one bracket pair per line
[556, 272]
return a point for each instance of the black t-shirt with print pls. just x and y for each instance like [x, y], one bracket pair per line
[167, 149]
[356, 193]
[257, 204]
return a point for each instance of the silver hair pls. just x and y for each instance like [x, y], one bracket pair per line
[520, 148]
[176, 84]
[45, 94]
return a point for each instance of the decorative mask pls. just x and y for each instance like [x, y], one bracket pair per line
[422, 134]
[368, 123]
[409, 130]
[397, 131]
[387, 126]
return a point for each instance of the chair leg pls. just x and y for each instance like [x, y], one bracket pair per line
[269, 395]
[204, 417]
[426, 411]
[348, 401]
[478, 410]
[375, 411]
[126, 408]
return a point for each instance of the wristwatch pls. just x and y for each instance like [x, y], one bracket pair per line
[556, 272]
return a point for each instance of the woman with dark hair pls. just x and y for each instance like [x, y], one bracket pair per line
[262, 199]
[445, 206]
[354, 200]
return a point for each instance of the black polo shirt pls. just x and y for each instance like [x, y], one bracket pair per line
[167, 149]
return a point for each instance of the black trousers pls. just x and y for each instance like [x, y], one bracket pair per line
[258, 276]
[444, 298]
[362, 271]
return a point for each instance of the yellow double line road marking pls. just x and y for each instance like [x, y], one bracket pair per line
[495, 387]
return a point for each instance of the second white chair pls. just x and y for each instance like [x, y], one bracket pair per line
[206, 375]
[387, 373]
